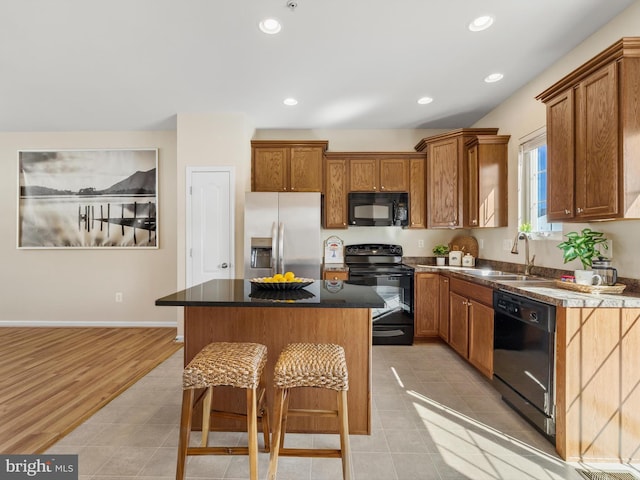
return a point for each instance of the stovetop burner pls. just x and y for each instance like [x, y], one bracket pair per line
[373, 254]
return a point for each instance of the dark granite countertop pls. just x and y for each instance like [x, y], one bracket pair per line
[240, 293]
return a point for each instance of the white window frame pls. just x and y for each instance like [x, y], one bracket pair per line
[528, 188]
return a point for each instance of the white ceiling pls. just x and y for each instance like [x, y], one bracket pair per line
[68, 65]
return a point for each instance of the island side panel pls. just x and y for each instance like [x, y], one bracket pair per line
[276, 327]
[598, 384]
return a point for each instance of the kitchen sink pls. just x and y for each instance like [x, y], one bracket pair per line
[481, 272]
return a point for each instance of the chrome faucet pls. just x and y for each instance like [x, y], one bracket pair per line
[528, 264]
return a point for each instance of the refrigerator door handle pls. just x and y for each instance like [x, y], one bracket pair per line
[281, 248]
[274, 252]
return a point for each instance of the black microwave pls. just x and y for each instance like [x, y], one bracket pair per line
[379, 209]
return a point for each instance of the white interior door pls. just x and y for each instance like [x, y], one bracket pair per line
[210, 223]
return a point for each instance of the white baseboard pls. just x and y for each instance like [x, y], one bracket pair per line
[102, 324]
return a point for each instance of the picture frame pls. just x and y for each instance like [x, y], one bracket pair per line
[93, 198]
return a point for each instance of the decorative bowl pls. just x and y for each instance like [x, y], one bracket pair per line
[261, 283]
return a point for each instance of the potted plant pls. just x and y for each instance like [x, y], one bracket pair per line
[440, 251]
[584, 246]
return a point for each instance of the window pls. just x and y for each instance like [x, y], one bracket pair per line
[532, 185]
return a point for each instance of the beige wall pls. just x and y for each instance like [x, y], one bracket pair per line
[78, 286]
[520, 115]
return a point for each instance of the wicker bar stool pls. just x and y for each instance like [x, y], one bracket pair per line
[218, 364]
[310, 365]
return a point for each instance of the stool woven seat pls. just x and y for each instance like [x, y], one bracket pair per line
[312, 365]
[228, 364]
[320, 365]
[224, 363]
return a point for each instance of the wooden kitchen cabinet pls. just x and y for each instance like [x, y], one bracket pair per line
[593, 149]
[597, 394]
[443, 308]
[378, 172]
[481, 337]
[447, 175]
[287, 166]
[486, 199]
[471, 323]
[459, 324]
[335, 275]
[335, 207]
[426, 309]
[417, 194]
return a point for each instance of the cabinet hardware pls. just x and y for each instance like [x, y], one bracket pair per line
[580, 210]
[567, 211]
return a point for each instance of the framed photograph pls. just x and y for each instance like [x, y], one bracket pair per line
[88, 198]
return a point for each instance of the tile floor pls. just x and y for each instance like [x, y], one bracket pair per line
[434, 418]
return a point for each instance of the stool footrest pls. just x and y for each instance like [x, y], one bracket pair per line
[310, 452]
[300, 412]
[218, 451]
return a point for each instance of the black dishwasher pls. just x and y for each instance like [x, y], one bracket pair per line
[524, 357]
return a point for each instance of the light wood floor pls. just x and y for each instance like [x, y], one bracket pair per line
[53, 379]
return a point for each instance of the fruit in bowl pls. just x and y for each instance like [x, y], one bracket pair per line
[281, 281]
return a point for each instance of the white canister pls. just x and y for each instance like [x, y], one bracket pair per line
[455, 258]
[468, 260]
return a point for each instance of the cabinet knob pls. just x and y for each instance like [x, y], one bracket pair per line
[374, 188]
[567, 211]
[579, 210]
[381, 187]
[292, 188]
[474, 222]
[446, 280]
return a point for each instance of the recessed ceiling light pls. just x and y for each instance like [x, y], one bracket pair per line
[425, 100]
[494, 77]
[290, 101]
[270, 26]
[481, 23]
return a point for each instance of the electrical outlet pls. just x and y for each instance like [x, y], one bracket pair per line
[118, 297]
[420, 243]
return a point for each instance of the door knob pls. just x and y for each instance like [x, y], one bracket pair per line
[224, 265]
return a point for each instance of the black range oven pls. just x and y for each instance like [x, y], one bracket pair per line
[380, 266]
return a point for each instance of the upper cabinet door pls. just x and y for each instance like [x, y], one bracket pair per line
[486, 192]
[560, 154]
[417, 194]
[335, 195]
[597, 168]
[394, 175]
[270, 169]
[443, 184]
[305, 167]
[364, 175]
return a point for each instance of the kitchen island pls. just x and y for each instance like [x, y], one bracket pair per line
[323, 312]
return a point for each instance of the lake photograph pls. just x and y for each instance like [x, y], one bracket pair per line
[88, 198]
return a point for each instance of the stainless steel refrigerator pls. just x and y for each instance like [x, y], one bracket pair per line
[282, 233]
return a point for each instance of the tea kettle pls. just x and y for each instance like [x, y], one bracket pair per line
[602, 266]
